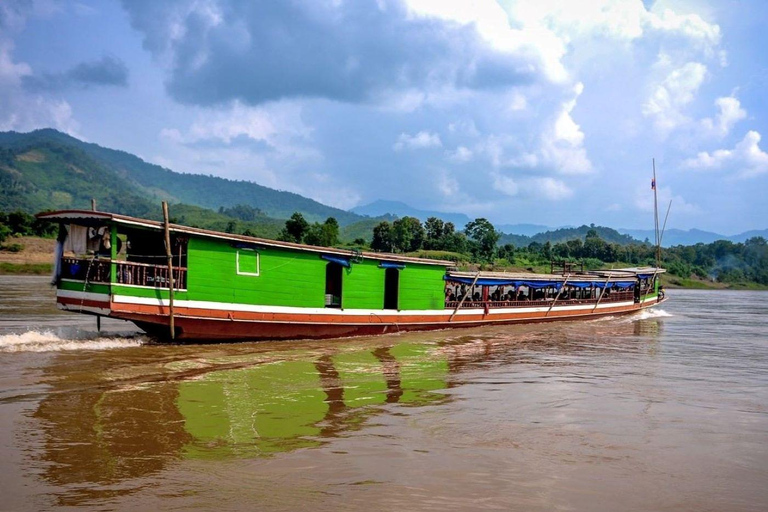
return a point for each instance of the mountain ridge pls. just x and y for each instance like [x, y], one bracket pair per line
[164, 184]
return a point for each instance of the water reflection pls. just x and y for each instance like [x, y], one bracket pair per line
[125, 417]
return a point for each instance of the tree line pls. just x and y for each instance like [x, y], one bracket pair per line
[721, 261]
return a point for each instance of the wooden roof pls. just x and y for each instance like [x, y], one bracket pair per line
[91, 217]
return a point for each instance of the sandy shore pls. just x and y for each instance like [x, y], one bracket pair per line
[35, 251]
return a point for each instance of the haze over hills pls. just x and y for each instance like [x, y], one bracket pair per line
[523, 234]
[381, 208]
[674, 237]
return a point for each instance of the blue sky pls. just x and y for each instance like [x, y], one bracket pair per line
[541, 111]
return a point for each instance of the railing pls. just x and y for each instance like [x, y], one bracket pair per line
[91, 270]
[144, 274]
[611, 297]
[127, 272]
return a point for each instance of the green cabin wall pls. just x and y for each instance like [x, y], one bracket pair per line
[363, 286]
[422, 287]
[297, 278]
[286, 278]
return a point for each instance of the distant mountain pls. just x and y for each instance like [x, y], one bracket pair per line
[523, 229]
[674, 237]
[49, 169]
[742, 237]
[381, 207]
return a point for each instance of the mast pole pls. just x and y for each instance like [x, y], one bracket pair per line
[169, 255]
[656, 216]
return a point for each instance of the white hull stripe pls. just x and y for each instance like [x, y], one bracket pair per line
[71, 294]
[254, 308]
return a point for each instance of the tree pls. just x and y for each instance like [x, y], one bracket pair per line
[330, 230]
[382, 237]
[325, 234]
[434, 228]
[407, 234]
[295, 228]
[483, 237]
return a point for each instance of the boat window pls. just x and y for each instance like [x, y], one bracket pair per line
[247, 262]
[391, 288]
[333, 277]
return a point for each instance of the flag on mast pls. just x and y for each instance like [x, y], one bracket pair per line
[653, 183]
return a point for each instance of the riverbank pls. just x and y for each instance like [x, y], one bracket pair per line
[26, 255]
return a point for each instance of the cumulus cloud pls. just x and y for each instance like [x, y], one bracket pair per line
[644, 201]
[108, 70]
[421, 140]
[730, 113]
[505, 185]
[548, 188]
[20, 110]
[562, 144]
[669, 98]
[461, 154]
[348, 51]
[746, 157]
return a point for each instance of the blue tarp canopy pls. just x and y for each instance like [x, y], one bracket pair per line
[344, 262]
[644, 276]
[391, 264]
[504, 282]
[539, 284]
[602, 284]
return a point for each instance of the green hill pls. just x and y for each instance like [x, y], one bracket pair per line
[564, 234]
[49, 169]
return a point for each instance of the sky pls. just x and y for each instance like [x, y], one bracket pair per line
[531, 111]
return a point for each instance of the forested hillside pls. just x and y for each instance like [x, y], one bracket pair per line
[48, 169]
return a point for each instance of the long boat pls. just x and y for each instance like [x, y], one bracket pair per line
[206, 285]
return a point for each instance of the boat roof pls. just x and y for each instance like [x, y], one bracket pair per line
[94, 217]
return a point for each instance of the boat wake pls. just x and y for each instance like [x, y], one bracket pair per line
[66, 339]
[651, 313]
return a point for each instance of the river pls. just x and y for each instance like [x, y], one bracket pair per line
[665, 409]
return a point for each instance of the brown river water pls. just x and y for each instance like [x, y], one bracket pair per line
[663, 410]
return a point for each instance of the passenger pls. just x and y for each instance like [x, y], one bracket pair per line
[476, 297]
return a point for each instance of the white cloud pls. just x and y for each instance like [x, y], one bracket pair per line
[644, 201]
[505, 185]
[447, 184]
[548, 188]
[278, 125]
[730, 113]
[421, 140]
[562, 144]
[23, 111]
[692, 26]
[461, 154]
[518, 102]
[746, 157]
[673, 94]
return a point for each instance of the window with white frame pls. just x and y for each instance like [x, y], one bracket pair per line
[247, 262]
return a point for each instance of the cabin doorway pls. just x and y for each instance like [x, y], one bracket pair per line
[333, 277]
[391, 288]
